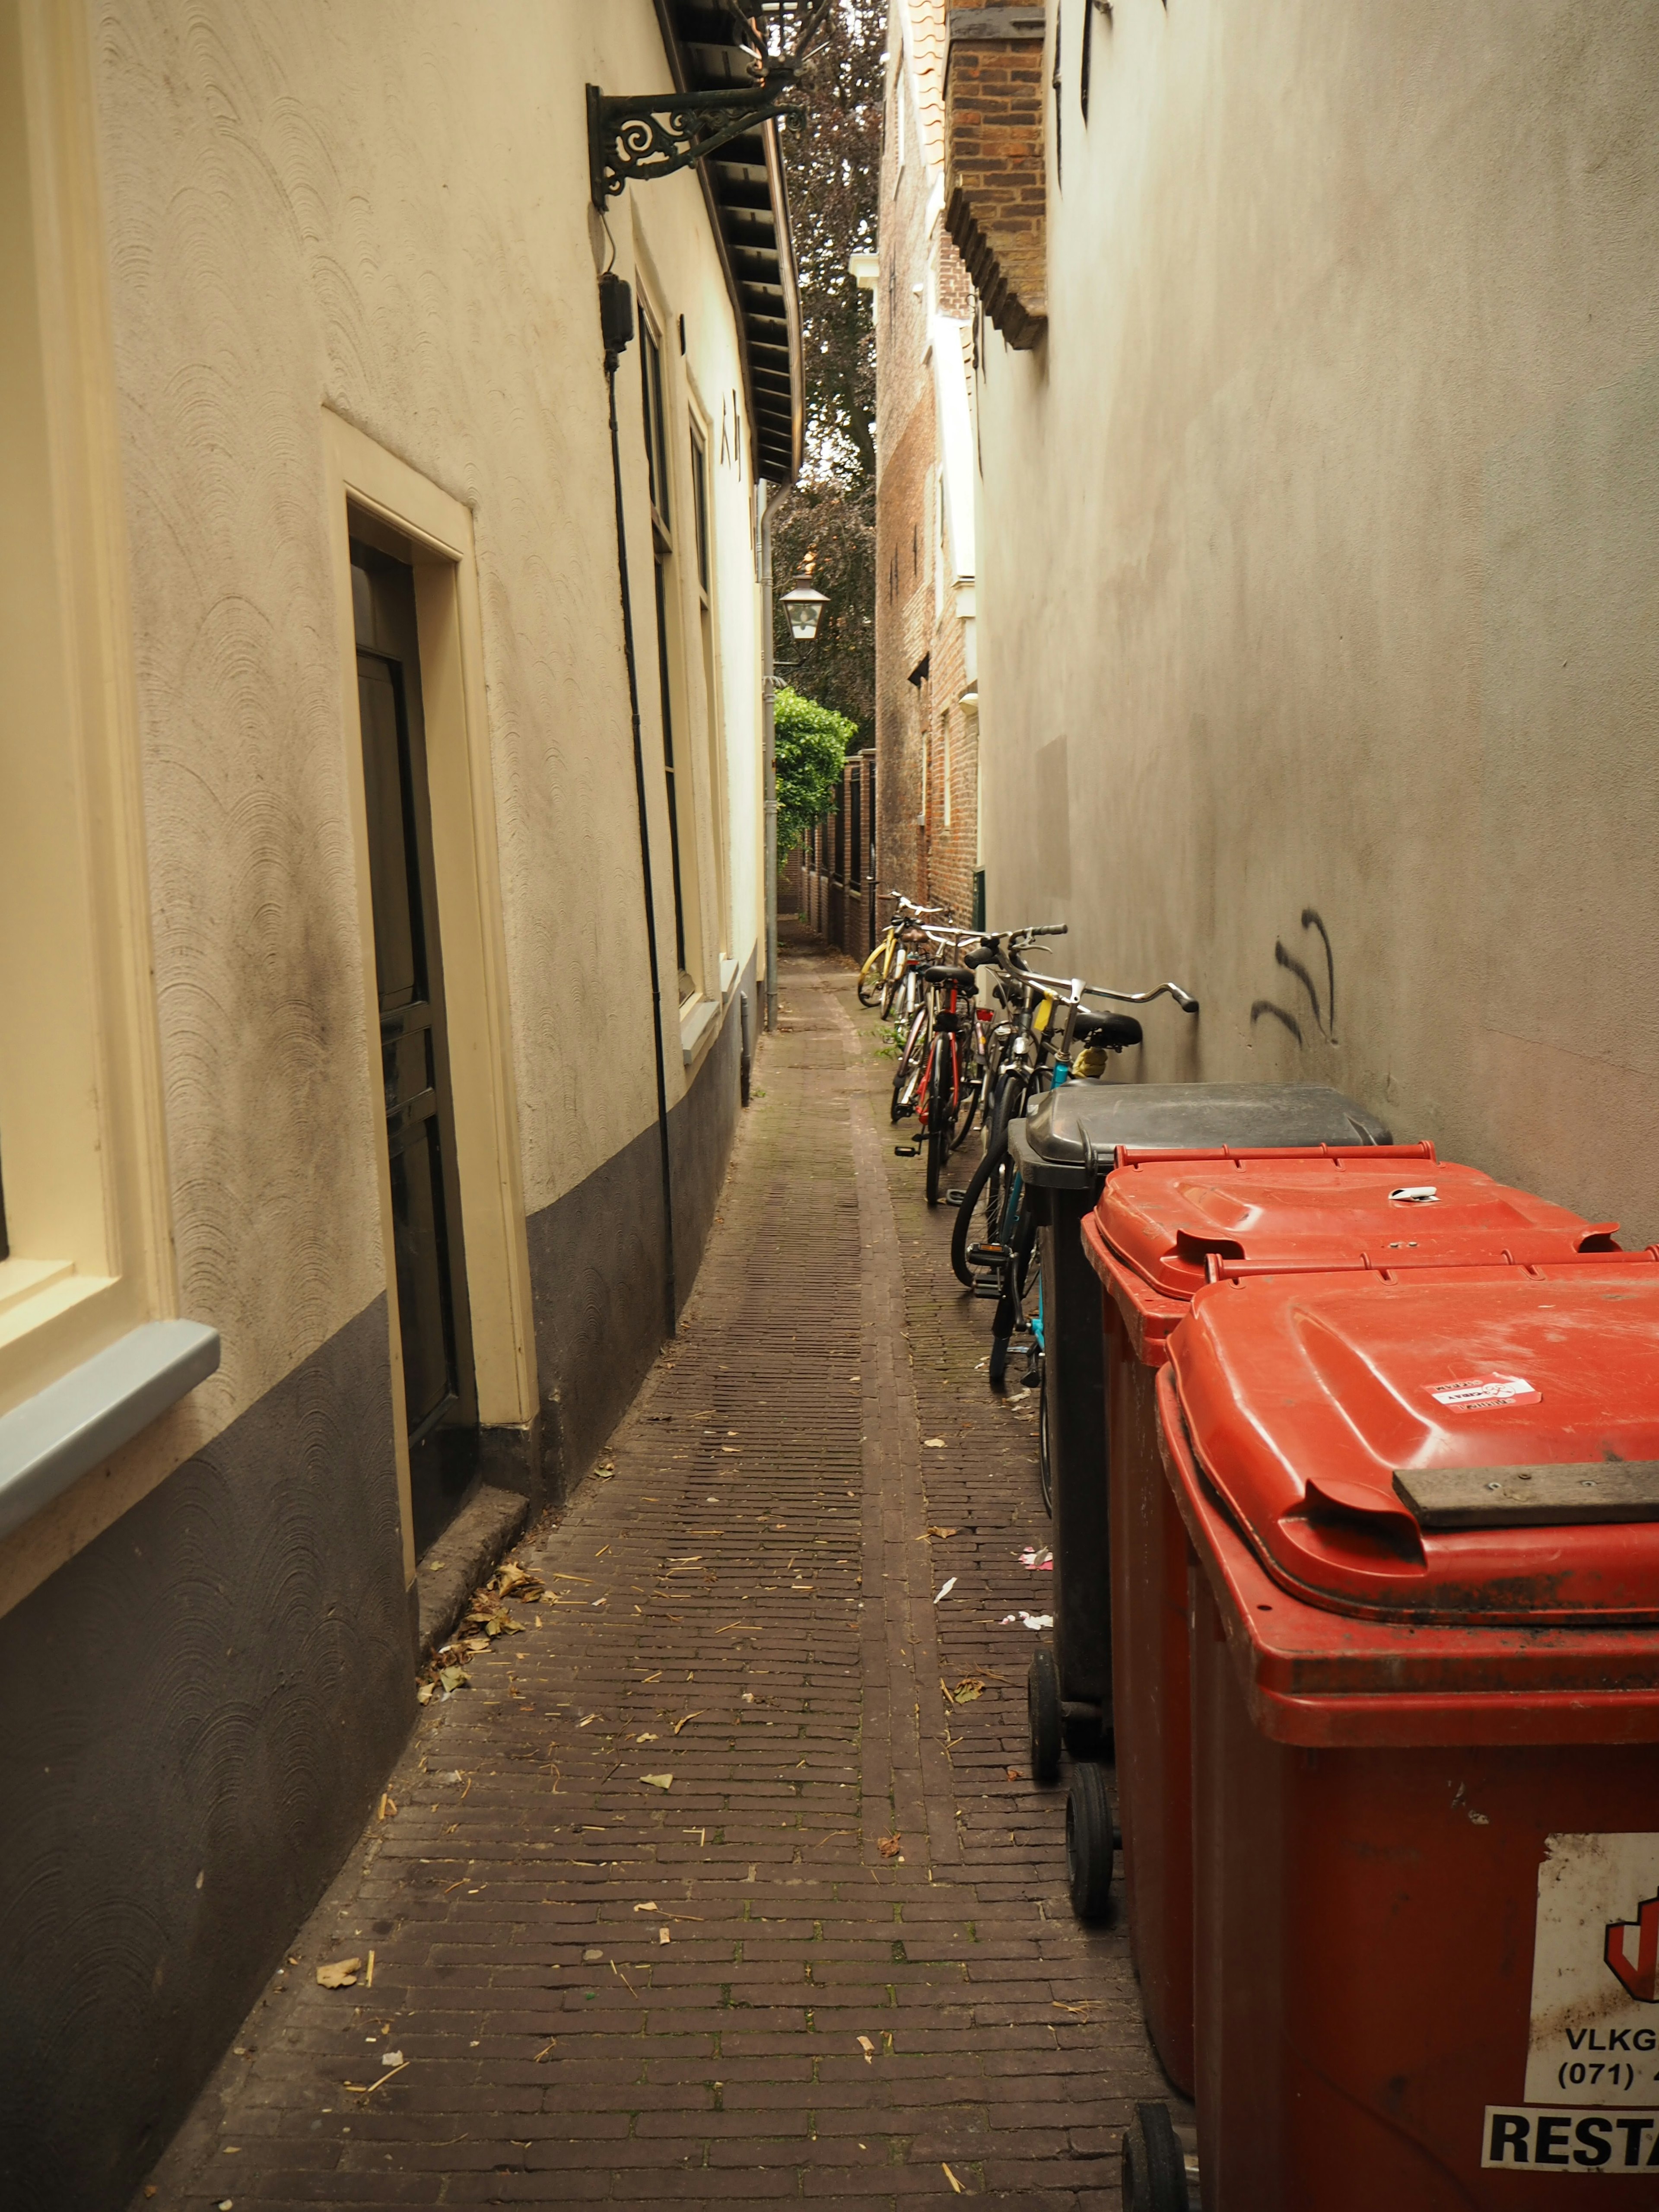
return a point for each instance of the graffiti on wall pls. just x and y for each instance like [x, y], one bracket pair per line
[1323, 1013]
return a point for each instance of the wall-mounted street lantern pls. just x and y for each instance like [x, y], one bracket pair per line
[806, 604]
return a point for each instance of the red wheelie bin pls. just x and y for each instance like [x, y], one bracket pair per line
[1422, 1511]
[1165, 1223]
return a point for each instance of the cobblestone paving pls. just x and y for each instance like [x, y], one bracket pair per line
[640, 1927]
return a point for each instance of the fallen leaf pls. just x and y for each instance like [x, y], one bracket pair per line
[868, 2049]
[942, 1534]
[934, 1443]
[423, 1694]
[966, 1690]
[394, 2059]
[889, 1845]
[340, 1974]
[663, 1935]
[649, 1906]
[452, 1678]
[659, 1781]
[945, 1587]
[678, 1725]
[951, 2178]
[1013, 1773]
[369, 1977]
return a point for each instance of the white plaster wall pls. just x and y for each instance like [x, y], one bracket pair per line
[1319, 562]
[382, 209]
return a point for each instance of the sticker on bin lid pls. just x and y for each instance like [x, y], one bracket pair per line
[1473, 1391]
[1593, 2032]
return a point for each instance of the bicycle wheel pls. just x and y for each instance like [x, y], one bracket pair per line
[870, 976]
[940, 1117]
[1009, 1319]
[907, 1074]
[1045, 1464]
[966, 1102]
[979, 1216]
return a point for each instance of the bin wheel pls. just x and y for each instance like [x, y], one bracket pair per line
[1042, 1712]
[1154, 2168]
[1088, 1840]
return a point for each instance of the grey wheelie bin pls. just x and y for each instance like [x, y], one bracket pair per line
[1065, 1148]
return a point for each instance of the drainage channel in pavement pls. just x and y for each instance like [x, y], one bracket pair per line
[724, 1878]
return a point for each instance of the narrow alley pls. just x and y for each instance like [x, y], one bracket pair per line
[726, 1878]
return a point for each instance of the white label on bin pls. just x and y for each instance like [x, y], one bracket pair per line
[1595, 2028]
[1477, 1390]
[1571, 2140]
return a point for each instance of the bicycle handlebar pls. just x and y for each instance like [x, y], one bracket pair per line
[1074, 988]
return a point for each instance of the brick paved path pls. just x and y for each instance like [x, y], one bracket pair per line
[604, 1991]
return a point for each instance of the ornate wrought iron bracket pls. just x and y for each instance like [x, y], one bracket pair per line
[632, 140]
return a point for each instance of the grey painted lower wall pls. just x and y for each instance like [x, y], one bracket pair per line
[198, 1712]
[700, 1133]
[597, 1260]
[199, 1708]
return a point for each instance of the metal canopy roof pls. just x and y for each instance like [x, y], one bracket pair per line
[710, 49]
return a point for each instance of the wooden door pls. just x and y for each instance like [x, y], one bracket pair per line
[439, 1398]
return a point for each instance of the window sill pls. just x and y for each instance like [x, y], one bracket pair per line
[32, 1291]
[728, 979]
[696, 1020]
[56, 1436]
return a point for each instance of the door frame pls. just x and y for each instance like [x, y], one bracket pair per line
[466, 868]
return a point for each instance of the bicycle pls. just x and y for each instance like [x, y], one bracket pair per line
[1046, 1057]
[932, 1014]
[879, 976]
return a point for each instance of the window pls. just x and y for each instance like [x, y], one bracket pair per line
[681, 847]
[85, 1244]
[713, 721]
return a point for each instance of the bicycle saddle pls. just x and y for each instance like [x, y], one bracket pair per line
[963, 978]
[1114, 1031]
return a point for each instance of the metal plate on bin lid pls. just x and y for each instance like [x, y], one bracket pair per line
[1306, 1396]
[1530, 1497]
[1072, 1134]
[1267, 1212]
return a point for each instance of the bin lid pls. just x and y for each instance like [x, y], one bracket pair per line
[1180, 1220]
[1453, 1443]
[1073, 1132]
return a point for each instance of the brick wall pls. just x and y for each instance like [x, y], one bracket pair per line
[996, 195]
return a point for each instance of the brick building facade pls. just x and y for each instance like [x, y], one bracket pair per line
[927, 700]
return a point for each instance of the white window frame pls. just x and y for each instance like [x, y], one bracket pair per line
[83, 1160]
[90, 1271]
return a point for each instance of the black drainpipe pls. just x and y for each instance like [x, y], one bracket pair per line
[617, 323]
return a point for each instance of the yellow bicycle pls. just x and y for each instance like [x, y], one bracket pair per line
[883, 972]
